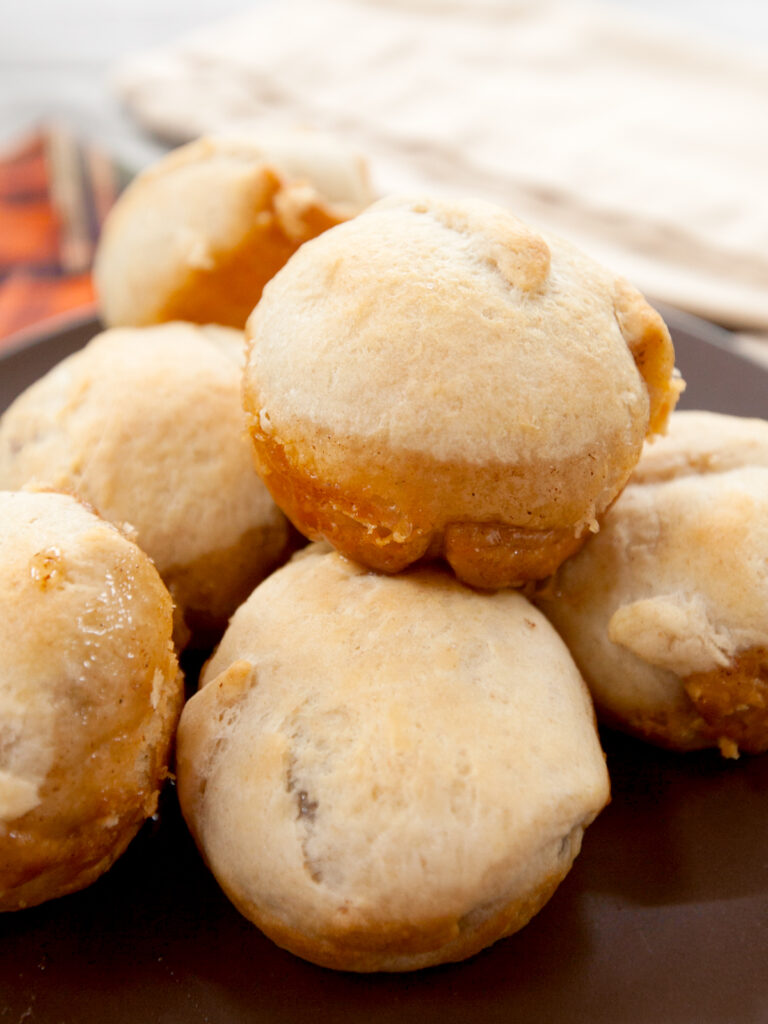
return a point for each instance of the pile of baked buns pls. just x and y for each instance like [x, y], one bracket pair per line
[392, 755]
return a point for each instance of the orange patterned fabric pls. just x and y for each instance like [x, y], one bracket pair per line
[54, 194]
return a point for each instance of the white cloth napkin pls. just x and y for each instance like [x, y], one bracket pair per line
[647, 147]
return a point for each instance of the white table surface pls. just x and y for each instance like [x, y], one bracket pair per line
[55, 56]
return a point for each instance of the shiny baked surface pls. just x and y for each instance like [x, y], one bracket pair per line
[90, 693]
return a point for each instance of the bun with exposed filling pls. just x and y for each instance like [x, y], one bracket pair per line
[198, 234]
[666, 609]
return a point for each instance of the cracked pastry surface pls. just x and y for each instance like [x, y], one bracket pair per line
[435, 378]
[90, 694]
[197, 235]
[388, 773]
[146, 425]
[666, 610]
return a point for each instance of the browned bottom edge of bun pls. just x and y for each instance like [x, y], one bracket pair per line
[422, 519]
[74, 863]
[392, 948]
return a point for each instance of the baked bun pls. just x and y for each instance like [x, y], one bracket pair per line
[197, 236]
[146, 425]
[666, 610]
[90, 693]
[435, 378]
[388, 773]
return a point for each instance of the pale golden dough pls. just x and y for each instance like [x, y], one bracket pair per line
[388, 773]
[146, 425]
[197, 235]
[435, 378]
[666, 610]
[90, 694]
[699, 443]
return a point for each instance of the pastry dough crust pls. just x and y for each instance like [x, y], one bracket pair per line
[388, 773]
[437, 379]
[666, 610]
[90, 694]
[146, 425]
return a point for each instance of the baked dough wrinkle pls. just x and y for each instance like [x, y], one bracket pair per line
[90, 695]
[385, 774]
[197, 236]
[417, 367]
[666, 610]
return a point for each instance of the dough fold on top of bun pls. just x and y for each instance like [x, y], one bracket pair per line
[434, 378]
[388, 773]
[197, 235]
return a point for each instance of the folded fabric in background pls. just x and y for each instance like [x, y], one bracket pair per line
[645, 146]
[55, 192]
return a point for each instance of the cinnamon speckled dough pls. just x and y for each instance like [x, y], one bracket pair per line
[436, 378]
[197, 235]
[146, 425]
[90, 694]
[666, 610]
[388, 773]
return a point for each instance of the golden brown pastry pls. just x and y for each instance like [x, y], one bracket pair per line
[666, 610]
[90, 693]
[388, 773]
[435, 378]
[146, 425]
[197, 235]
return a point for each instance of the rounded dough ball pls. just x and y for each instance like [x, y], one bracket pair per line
[90, 694]
[388, 773]
[146, 425]
[197, 235]
[435, 378]
[666, 610]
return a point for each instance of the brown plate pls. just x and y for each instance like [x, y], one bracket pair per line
[663, 919]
